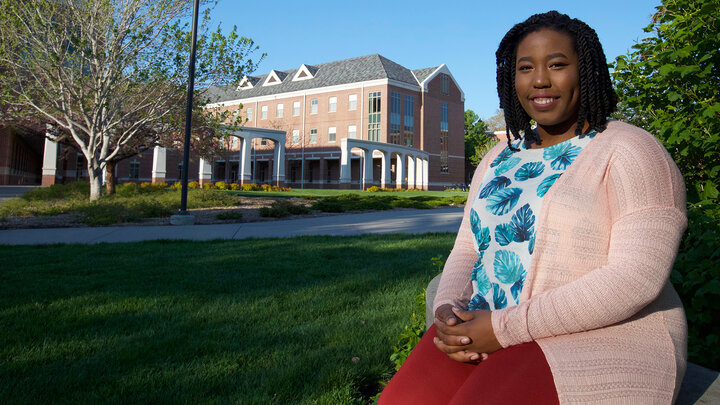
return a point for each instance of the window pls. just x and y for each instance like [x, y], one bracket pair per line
[134, 170]
[313, 106]
[352, 102]
[395, 100]
[331, 134]
[443, 117]
[445, 89]
[332, 104]
[313, 135]
[374, 131]
[249, 114]
[263, 112]
[263, 141]
[280, 111]
[234, 143]
[296, 108]
[444, 138]
[352, 131]
[409, 120]
[296, 136]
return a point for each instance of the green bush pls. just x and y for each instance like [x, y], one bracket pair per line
[234, 186]
[250, 187]
[221, 185]
[59, 192]
[193, 184]
[229, 215]
[696, 276]
[283, 208]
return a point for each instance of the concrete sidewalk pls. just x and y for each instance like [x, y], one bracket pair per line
[396, 221]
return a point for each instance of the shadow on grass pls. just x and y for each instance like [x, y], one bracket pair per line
[303, 320]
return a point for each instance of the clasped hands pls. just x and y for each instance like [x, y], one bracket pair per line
[465, 336]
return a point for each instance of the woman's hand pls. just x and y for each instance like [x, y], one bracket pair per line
[470, 334]
[454, 346]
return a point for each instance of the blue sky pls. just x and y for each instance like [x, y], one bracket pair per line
[417, 34]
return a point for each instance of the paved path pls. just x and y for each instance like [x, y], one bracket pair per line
[396, 221]
[13, 191]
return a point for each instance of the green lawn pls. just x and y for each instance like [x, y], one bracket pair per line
[312, 193]
[269, 321]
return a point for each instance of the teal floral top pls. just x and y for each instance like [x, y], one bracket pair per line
[502, 217]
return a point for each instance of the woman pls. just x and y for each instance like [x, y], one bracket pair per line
[557, 287]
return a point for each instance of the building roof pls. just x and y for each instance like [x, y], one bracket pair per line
[360, 69]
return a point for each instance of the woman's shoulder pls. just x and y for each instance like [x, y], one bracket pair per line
[622, 134]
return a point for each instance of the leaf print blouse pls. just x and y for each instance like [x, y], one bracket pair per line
[502, 217]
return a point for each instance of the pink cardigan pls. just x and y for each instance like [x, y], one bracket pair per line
[597, 298]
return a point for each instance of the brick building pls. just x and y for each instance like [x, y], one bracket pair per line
[318, 126]
[406, 119]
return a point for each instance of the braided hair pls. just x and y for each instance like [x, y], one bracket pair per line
[597, 97]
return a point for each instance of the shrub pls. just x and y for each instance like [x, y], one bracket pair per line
[373, 189]
[234, 186]
[696, 276]
[208, 186]
[229, 215]
[283, 208]
[266, 187]
[250, 187]
[193, 184]
[221, 185]
[59, 192]
[177, 185]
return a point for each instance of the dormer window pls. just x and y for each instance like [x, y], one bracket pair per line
[305, 72]
[246, 83]
[274, 77]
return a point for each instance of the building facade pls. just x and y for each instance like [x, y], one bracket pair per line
[405, 119]
[352, 123]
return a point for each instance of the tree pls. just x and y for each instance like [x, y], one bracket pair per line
[113, 74]
[497, 121]
[477, 140]
[668, 84]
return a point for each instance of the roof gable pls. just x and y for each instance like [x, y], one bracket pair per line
[305, 72]
[274, 77]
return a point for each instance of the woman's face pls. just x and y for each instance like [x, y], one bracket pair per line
[547, 80]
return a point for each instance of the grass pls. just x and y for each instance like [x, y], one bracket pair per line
[316, 193]
[254, 322]
[130, 203]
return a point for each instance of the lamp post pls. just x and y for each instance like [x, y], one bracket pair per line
[183, 218]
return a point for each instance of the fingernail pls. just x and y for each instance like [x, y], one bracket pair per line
[465, 340]
[474, 357]
[435, 340]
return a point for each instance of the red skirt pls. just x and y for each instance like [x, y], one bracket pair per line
[514, 375]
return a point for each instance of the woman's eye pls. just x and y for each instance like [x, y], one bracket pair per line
[521, 68]
[557, 64]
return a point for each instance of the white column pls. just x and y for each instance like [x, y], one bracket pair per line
[411, 172]
[426, 184]
[159, 168]
[345, 173]
[385, 172]
[205, 172]
[245, 172]
[279, 157]
[368, 172]
[399, 172]
[419, 173]
[49, 163]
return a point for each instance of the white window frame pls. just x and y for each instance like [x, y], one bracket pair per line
[313, 140]
[352, 131]
[332, 104]
[279, 111]
[249, 114]
[296, 108]
[314, 103]
[295, 136]
[263, 112]
[332, 134]
[352, 102]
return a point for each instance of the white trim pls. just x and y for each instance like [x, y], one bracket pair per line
[274, 77]
[442, 69]
[319, 90]
[303, 69]
[245, 83]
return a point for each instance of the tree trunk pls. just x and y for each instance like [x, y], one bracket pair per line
[110, 178]
[95, 175]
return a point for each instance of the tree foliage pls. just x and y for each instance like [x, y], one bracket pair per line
[477, 141]
[497, 121]
[112, 75]
[669, 85]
